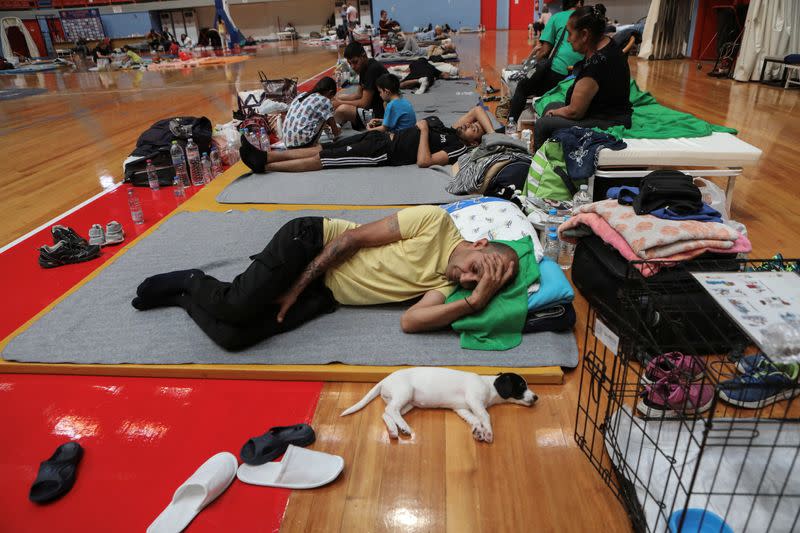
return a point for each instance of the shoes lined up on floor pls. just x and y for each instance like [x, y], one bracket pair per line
[69, 247]
[673, 385]
[299, 469]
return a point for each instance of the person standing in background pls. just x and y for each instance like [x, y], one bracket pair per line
[223, 33]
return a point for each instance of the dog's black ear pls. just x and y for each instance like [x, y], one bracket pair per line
[504, 385]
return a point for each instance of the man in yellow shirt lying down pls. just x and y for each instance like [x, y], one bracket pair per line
[312, 264]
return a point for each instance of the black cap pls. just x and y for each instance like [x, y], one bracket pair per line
[254, 158]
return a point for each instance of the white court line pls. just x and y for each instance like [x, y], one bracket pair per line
[96, 196]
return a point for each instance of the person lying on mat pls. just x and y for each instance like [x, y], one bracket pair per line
[355, 108]
[313, 264]
[600, 95]
[428, 143]
[421, 75]
[399, 114]
[309, 113]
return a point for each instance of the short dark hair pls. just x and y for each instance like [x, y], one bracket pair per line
[569, 4]
[506, 251]
[592, 19]
[354, 50]
[388, 81]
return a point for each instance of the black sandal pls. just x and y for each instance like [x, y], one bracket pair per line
[56, 475]
[273, 443]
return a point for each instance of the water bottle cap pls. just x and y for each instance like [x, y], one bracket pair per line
[174, 142]
[552, 235]
[584, 187]
[552, 211]
[149, 161]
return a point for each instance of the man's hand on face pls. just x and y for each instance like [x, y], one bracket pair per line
[495, 274]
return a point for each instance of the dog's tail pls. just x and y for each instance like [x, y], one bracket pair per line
[371, 395]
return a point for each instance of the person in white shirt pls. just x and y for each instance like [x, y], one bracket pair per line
[186, 41]
[352, 15]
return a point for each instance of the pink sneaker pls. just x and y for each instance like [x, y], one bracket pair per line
[686, 367]
[671, 397]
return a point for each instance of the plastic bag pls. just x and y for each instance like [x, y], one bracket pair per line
[713, 195]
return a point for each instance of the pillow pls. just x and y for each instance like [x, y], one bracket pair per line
[554, 288]
[492, 218]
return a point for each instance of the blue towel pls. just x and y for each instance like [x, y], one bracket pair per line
[625, 196]
[580, 147]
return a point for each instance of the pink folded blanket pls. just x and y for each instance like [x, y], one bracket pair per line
[656, 238]
[602, 229]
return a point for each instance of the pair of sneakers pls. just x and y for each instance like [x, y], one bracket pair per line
[113, 234]
[761, 383]
[68, 247]
[674, 387]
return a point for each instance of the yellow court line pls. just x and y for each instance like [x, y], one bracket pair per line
[205, 200]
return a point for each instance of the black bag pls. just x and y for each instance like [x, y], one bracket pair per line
[281, 90]
[155, 142]
[667, 312]
[536, 70]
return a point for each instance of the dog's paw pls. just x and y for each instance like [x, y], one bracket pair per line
[481, 434]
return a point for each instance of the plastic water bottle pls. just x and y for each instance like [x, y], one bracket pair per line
[551, 224]
[233, 152]
[179, 162]
[511, 128]
[263, 140]
[152, 177]
[136, 207]
[216, 162]
[205, 164]
[566, 253]
[552, 248]
[581, 197]
[177, 187]
[193, 160]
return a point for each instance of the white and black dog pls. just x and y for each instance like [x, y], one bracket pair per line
[465, 393]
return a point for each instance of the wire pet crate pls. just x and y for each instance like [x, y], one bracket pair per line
[740, 464]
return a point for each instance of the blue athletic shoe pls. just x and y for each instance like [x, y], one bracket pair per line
[765, 384]
[746, 364]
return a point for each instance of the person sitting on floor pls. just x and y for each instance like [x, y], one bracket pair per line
[545, 78]
[428, 143]
[600, 94]
[132, 59]
[385, 24]
[313, 264]
[103, 50]
[353, 108]
[399, 113]
[186, 42]
[308, 114]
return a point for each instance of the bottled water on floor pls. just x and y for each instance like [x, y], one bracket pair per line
[136, 207]
[551, 224]
[177, 187]
[581, 197]
[566, 253]
[233, 153]
[205, 164]
[152, 177]
[216, 162]
[263, 140]
[552, 247]
[511, 128]
[193, 161]
[179, 162]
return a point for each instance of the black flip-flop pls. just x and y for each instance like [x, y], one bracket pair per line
[56, 475]
[273, 443]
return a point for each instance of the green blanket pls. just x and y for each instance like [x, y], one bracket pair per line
[499, 325]
[650, 120]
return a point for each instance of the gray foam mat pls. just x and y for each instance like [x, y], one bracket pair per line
[96, 324]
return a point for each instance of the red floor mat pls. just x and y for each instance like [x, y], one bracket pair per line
[142, 438]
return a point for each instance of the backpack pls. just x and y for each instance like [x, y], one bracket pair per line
[547, 176]
[155, 142]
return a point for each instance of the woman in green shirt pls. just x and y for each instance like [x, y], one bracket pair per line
[553, 35]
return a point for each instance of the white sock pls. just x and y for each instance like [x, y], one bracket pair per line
[423, 86]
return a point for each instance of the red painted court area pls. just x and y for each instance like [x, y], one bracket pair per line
[142, 438]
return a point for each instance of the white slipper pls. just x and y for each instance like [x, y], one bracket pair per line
[300, 469]
[202, 488]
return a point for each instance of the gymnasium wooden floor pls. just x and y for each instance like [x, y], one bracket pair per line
[58, 149]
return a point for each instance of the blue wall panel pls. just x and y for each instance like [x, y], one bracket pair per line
[502, 14]
[119, 25]
[410, 13]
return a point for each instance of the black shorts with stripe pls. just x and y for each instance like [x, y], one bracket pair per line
[368, 149]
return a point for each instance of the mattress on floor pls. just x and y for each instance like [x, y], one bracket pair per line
[717, 149]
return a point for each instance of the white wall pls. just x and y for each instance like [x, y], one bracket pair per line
[625, 11]
[261, 19]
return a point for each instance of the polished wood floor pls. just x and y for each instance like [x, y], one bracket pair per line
[56, 148]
